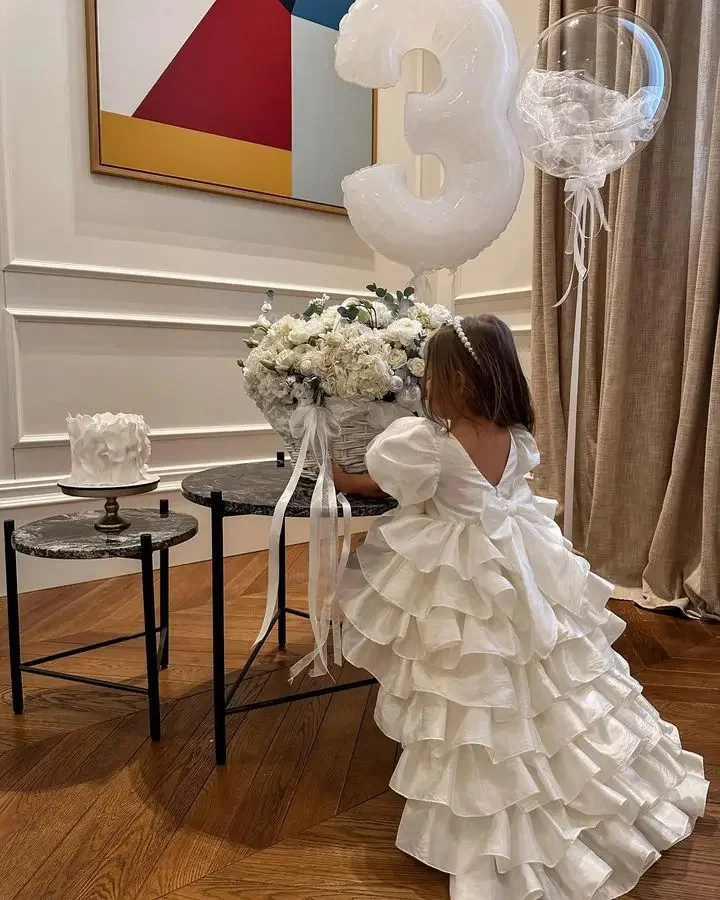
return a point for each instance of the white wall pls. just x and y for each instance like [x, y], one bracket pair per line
[130, 296]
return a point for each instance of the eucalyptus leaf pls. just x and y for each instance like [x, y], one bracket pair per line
[409, 291]
[315, 307]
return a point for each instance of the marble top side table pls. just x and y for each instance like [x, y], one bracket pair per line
[74, 536]
[253, 489]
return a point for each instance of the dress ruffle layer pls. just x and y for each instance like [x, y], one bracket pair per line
[533, 767]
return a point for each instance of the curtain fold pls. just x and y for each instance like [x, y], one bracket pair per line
[647, 507]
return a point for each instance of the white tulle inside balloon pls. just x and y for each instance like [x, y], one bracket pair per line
[582, 127]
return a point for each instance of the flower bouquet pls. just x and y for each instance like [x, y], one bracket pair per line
[328, 381]
[361, 360]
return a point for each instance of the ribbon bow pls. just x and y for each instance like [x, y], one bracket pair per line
[499, 513]
[315, 426]
[583, 195]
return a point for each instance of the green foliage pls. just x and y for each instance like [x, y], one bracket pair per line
[398, 303]
[314, 309]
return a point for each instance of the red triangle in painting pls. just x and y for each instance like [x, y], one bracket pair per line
[232, 77]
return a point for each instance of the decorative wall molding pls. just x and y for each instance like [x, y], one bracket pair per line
[136, 320]
[514, 296]
[10, 371]
[20, 440]
[512, 305]
[35, 441]
[175, 279]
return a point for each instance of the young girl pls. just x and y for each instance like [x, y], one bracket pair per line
[533, 767]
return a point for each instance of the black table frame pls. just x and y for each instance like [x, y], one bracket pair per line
[222, 696]
[156, 657]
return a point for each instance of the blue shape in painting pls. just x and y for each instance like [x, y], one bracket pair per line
[322, 12]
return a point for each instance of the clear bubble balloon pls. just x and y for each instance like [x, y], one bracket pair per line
[591, 93]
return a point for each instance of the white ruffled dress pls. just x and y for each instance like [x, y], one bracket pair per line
[533, 767]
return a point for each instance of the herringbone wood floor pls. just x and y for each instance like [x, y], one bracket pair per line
[90, 809]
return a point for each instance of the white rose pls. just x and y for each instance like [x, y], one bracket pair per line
[334, 339]
[282, 328]
[397, 358]
[301, 351]
[315, 326]
[416, 367]
[300, 334]
[285, 360]
[306, 366]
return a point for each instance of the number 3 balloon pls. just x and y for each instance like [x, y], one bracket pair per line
[464, 123]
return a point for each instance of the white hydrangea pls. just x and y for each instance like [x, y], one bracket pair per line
[382, 314]
[403, 331]
[430, 317]
[330, 317]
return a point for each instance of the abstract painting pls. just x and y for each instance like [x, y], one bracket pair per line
[232, 96]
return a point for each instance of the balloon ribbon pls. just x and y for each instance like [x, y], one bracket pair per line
[316, 426]
[583, 198]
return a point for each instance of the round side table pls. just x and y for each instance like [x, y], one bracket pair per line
[253, 489]
[74, 536]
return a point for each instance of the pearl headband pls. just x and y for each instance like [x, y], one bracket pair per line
[464, 339]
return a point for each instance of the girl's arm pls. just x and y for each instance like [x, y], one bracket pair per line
[359, 485]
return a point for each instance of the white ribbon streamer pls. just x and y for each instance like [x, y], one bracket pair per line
[583, 199]
[583, 195]
[315, 426]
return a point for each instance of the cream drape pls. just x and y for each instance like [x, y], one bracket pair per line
[647, 508]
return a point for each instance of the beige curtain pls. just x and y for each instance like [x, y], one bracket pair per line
[647, 509]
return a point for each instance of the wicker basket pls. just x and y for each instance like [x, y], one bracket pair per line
[360, 424]
[348, 450]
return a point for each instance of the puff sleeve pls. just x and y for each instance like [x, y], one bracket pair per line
[405, 460]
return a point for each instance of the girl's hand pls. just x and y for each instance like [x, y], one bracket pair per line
[340, 478]
[360, 485]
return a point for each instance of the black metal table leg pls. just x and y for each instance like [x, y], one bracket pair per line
[282, 595]
[13, 606]
[148, 591]
[218, 626]
[164, 656]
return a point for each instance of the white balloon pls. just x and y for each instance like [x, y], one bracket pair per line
[464, 123]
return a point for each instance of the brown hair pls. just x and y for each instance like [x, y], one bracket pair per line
[493, 387]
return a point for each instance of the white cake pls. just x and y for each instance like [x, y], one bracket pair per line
[108, 449]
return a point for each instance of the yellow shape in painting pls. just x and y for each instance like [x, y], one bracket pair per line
[160, 149]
